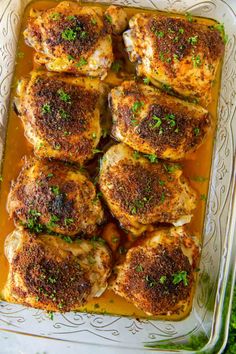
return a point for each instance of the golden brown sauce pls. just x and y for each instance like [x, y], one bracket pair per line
[198, 165]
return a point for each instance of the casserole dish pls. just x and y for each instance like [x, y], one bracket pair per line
[205, 329]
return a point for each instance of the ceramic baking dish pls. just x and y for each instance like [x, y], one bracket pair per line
[205, 329]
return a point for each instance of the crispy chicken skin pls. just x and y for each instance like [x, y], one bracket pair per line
[56, 196]
[71, 38]
[158, 274]
[48, 273]
[154, 122]
[140, 193]
[117, 17]
[176, 53]
[62, 116]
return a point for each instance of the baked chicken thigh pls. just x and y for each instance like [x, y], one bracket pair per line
[71, 38]
[61, 115]
[56, 196]
[154, 122]
[140, 193]
[158, 274]
[48, 273]
[176, 53]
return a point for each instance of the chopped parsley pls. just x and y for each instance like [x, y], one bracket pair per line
[68, 221]
[189, 17]
[166, 87]
[171, 119]
[116, 66]
[171, 168]
[70, 57]
[108, 18]
[69, 34]
[57, 147]
[50, 175]
[97, 151]
[196, 131]
[50, 315]
[46, 108]
[55, 190]
[193, 40]
[199, 179]
[81, 62]
[180, 277]
[137, 106]
[136, 155]
[203, 197]
[55, 16]
[64, 96]
[94, 21]
[220, 27]
[53, 221]
[196, 61]
[146, 80]
[157, 120]
[163, 197]
[71, 18]
[151, 157]
[181, 30]
[162, 279]
[139, 268]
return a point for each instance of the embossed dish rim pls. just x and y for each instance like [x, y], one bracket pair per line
[219, 249]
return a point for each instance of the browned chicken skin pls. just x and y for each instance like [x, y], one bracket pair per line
[71, 38]
[48, 273]
[175, 53]
[56, 196]
[158, 274]
[154, 122]
[140, 193]
[62, 116]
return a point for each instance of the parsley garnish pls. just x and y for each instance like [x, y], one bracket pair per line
[180, 276]
[193, 40]
[63, 114]
[55, 16]
[196, 60]
[151, 157]
[69, 34]
[146, 80]
[162, 279]
[196, 131]
[81, 62]
[55, 190]
[150, 281]
[189, 17]
[46, 108]
[63, 95]
[136, 155]
[139, 268]
[137, 106]
[108, 18]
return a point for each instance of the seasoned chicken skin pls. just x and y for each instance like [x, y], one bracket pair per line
[62, 116]
[117, 17]
[48, 273]
[158, 274]
[140, 193]
[56, 196]
[71, 38]
[153, 122]
[175, 53]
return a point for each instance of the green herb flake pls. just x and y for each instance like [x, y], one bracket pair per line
[51, 315]
[220, 27]
[116, 66]
[196, 61]
[20, 55]
[151, 157]
[55, 190]
[171, 168]
[199, 179]
[55, 16]
[157, 120]
[137, 106]
[97, 151]
[181, 30]
[71, 18]
[69, 34]
[63, 114]
[81, 62]
[68, 221]
[162, 279]
[50, 175]
[93, 21]
[67, 239]
[146, 80]
[70, 57]
[180, 277]
[108, 18]
[193, 40]
[64, 96]
[139, 268]
[189, 17]
[46, 108]
[136, 155]
[203, 197]
[115, 239]
[196, 131]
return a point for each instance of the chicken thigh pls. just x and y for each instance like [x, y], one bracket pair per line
[62, 116]
[140, 193]
[48, 273]
[154, 122]
[71, 38]
[158, 273]
[55, 196]
[176, 53]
